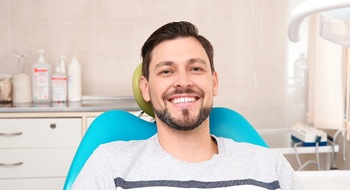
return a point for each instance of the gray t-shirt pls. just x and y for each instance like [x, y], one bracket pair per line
[146, 165]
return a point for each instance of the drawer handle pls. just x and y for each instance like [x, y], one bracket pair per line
[11, 134]
[11, 165]
[53, 125]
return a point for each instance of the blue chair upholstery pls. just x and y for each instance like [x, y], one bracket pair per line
[120, 125]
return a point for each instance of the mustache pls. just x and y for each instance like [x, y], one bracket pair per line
[183, 91]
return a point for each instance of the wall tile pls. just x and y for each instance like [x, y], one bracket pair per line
[73, 37]
[31, 36]
[114, 66]
[244, 10]
[269, 104]
[271, 50]
[242, 50]
[31, 10]
[207, 10]
[115, 10]
[114, 36]
[111, 89]
[4, 38]
[4, 11]
[258, 10]
[5, 53]
[273, 10]
[158, 10]
[67, 10]
[88, 88]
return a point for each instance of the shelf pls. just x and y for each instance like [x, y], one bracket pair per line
[308, 150]
[280, 139]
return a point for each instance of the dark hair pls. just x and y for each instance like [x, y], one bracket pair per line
[171, 31]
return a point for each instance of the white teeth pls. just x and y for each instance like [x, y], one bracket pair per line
[183, 100]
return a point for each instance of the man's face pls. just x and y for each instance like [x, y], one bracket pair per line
[181, 84]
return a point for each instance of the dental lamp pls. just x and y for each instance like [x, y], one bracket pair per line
[335, 20]
[334, 27]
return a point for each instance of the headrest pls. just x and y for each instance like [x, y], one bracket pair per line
[145, 106]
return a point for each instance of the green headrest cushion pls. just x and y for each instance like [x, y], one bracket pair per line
[145, 106]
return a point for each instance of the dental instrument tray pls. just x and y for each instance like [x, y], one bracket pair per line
[308, 135]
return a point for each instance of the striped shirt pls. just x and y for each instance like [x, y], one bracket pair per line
[145, 165]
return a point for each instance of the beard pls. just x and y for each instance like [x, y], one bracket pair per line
[186, 122]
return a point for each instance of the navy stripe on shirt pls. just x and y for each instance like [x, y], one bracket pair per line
[120, 182]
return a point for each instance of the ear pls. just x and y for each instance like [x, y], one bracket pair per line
[144, 87]
[215, 83]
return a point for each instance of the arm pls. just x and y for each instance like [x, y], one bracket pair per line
[96, 173]
[287, 176]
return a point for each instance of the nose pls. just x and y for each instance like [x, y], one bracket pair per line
[183, 80]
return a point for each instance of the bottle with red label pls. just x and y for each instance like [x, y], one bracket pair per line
[59, 82]
[41, 80]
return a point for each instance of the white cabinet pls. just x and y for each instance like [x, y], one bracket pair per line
[37, 148]
[35, 153]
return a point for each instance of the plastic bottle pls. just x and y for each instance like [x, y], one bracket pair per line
[21, 82]
[59, 82]
[300, 70]
[41, 80]
[74, 81]
[22, 91]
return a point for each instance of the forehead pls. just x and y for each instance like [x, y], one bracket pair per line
[178, 50]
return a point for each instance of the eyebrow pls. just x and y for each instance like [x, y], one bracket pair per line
[164, 63]
[195, 60]
[191, 61]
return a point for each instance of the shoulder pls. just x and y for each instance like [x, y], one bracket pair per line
[241, 145]
[124, 150]
[264, 156]
[123, 146]
[247, 149]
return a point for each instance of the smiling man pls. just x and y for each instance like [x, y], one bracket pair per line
[180, 81]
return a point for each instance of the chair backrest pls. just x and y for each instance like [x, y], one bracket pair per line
[120, 125]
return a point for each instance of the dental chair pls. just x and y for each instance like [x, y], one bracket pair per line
[119, 125]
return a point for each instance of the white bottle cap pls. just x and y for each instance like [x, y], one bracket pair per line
[74, 61]
[41, 56]
[61, 65]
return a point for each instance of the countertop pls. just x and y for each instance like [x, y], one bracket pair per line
[88, 104]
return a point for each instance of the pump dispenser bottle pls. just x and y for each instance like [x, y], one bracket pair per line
[41, 80]
[59, 82]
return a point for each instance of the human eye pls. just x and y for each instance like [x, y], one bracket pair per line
[165, 72]
[197, 69]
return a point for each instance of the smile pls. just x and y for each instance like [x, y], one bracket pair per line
[183, 100]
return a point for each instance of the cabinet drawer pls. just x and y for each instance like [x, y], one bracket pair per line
[37, 184]
[23, 163]
[43, 132]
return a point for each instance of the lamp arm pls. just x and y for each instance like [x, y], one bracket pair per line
[308, 7]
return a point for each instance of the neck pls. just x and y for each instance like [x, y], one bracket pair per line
[191, 146]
